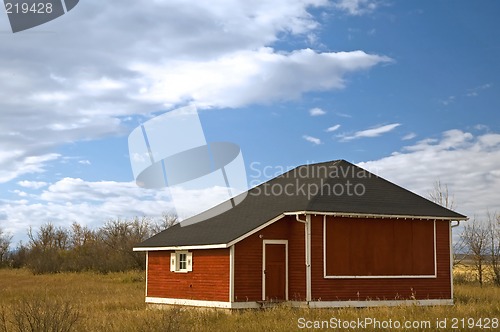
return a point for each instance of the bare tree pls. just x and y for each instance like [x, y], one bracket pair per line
[167, 220]
[80, 236]
[494, 245]
[49, 237]
[476, 238]
[5, 241]
[440, 195]
[122, 235]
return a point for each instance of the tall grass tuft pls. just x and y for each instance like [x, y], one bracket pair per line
[39, 314]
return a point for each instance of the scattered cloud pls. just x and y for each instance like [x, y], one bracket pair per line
[84, 162]
[343, 115]
[333, 128]
[448, 159]
[20, 193]
[25, 164]
[93, 203]
[372, 132]
[474, 92]
[409, 136]
[357, 7]
[481, 127]
[312, 139]
[32, 184]
[447, 101]
[316, 111]
[89, 203]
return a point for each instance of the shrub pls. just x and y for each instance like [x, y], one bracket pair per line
[39, 314]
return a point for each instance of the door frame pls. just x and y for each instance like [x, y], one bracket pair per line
[283, 242]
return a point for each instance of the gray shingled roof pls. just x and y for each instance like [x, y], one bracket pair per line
[321, 187]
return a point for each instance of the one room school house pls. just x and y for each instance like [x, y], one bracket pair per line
[321, 235]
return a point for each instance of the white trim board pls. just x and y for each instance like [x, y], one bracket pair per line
[450, 233]
[201, 246]
[202, 303]
[298, 304]
[147, 269]
[255, 230]
[372, 215]
[231, 274]
[381, 303]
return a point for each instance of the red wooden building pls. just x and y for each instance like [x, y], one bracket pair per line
[323, 235]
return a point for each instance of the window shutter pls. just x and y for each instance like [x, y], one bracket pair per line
[173, 262]
[189, 261]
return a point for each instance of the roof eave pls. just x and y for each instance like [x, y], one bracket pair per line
[374, 215]
[290, 213]
[188, 247]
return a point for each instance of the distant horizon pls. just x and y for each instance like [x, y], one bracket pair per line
[408, 90]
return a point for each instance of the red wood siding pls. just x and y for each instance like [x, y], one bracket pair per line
[208, 281]
[296, 261]
[248, 261]
[383, 289]
[375, 247]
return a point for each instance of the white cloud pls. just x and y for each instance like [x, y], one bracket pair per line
[247, 77]
[94, 203]
[101, 85]
[135, 59]
[372, 132]
[481, 127]
[316, 111]
[84, 162]
[409, 136]
[75, 189]
[20, 193]
[356, 7]
[32, 184]
[468, 164]
[312, 139]
[474, 92]
[449, 100]
[343, 115]
[89, 203]
[26, 165]
[333, 128]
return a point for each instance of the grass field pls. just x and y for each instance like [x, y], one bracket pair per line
[115, 302]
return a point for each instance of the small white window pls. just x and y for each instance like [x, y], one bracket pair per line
[181, 261]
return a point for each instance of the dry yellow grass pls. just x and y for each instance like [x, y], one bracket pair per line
[468, 273]
[115, 302]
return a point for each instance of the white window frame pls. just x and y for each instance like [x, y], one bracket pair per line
[175, 261]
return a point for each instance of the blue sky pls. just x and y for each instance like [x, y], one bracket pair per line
[407, 89]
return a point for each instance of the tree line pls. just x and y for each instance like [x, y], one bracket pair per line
[52, 249]
[479, 243]
[481, 238]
